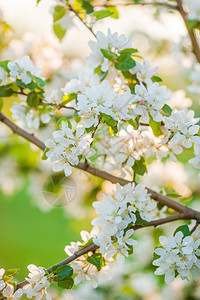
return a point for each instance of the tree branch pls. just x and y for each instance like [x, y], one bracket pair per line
[195, 227]
[16, 129]
[82, 21]
[175, 205]
[168, 5]
[94, 247]
[195, 45]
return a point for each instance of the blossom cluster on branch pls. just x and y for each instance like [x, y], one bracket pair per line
[121, 119]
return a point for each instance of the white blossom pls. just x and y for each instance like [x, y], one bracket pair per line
[117, 212]
[51, 98]
[112, 42]
[87, 78]
[182, 130]
[67, 146]
[149, 99]
[10, 293]
[143, 71]
[38, 283]
[178, 254]
[30, 117]
[82, 268]
[2, 283]
[23, 67]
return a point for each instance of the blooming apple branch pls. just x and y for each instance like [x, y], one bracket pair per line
[93, 247]
[121, 119]
[177, 206]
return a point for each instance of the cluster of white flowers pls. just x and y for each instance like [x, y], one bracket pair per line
[67, 147]
[37, 283]
[95, 98]
[30, 117]
[130, 145]
[101, 99]
[150, 99]
[82, 268]
[144, 72]
[23, 68]
[112, 42]
[182, 131]
[117, 214]
[194, 9]
[178, 254]
[86, 78]
[7, 289]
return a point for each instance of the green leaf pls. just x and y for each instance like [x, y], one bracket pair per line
[156, 79]
[67, 283]
[101, 14]
[64, 272]
[135, 123]
[5, 92]
[97, 260]
[59, 12]
[110, 122]
[39, 81]
[59, 31]
[115, 12]
[184, 229]
[4, 65]
[194, 24]
[44, 157]
[90, 242]
[54, 268]
[33, 99]
[128, 51]
[108, 54]
[130, 250]
[31, 86]
[124, 63]
[38, 1]
[1, 104]
[98, 70]
[127, 75]
[103, 75]
[64, 119]
[88, 7]
[167, 109]
[7, 86]
[7, 278]
[155, 126]
[139, 220]
[140, 166]
[68, 98]
[11, 272]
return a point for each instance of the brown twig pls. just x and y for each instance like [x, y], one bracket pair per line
[82, 21]
[195, 227]
[195, 45]
[168, 5]
[66, 107]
